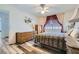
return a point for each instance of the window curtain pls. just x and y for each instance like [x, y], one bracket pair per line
[53, 17]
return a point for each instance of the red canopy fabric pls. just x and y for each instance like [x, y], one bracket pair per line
[53, 17]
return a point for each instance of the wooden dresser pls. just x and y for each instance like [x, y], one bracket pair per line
[22, 37]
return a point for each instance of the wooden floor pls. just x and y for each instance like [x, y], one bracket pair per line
[26, 48]
[23, 49]
[10, 49]
[31, 49]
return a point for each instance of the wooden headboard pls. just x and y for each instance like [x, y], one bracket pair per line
[22, 37]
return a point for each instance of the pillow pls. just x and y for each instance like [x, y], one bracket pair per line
[48, 30]
[56, 30]
[52, 30]
[75, 34]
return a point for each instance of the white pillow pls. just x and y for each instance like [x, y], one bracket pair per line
[75, 34]
[53, 31]
[56, 30]
[48, 30]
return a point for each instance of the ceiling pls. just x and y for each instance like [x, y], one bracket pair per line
[53, 8]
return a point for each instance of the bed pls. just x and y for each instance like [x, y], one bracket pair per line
[53, 36]
[51, 40]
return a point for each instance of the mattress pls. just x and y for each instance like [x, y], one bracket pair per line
[52, 34]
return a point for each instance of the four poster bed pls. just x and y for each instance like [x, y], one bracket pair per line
[53, 36]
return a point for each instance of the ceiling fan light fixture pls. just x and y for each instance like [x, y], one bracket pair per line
[42, 12]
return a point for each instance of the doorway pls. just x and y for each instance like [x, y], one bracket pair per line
[4, 25]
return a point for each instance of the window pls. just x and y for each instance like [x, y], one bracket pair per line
[53, 25]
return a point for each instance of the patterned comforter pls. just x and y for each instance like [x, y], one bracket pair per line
[51, 40]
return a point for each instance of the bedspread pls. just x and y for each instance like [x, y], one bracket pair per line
[53, 41]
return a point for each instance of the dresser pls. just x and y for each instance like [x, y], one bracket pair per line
[22, 37]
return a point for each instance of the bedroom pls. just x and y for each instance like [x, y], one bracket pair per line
[39, 28]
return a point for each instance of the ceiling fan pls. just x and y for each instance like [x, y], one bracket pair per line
[43, 8]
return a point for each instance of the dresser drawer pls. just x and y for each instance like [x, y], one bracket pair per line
[23, 37]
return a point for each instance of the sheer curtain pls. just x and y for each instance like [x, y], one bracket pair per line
[52, 22]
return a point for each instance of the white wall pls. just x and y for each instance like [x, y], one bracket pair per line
[17, 23]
